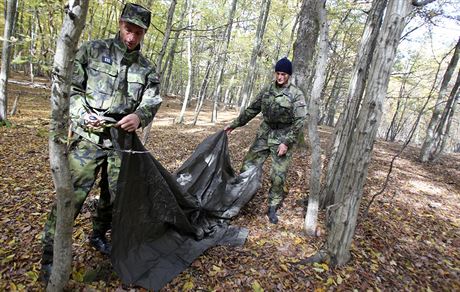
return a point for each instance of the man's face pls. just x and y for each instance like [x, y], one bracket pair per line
[131, 35]
[281, 78]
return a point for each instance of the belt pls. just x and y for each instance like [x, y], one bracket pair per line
[278, 126]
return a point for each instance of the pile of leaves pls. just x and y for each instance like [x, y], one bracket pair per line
[409, 240]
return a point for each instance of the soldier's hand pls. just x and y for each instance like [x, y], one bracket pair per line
[93, 121]
[228, 129]
[282, 149]
[129, 123]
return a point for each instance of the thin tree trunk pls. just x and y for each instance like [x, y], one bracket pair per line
[357, 142]
[108, 18]
[160, 68]
[202, 92]
[222, 60]
[43, 45]
[315, 178]
[32, 50]
[165, 84]
[445, 122]
[15, 105]
[430, 138]
[332, 102]
[250, 78]
[292, 34]
[164, 45]
[392, 129]
[188, 89]
[62, 71]
[11, 6]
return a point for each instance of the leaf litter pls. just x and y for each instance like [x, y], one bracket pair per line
[410, 239]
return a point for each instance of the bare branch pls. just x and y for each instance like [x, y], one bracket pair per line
[420, 3]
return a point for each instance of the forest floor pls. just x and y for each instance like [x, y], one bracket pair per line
[410, 239]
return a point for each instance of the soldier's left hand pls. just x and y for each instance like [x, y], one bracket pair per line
[282, 149]
[129, 122]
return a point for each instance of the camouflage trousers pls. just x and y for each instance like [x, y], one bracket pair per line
[257, 155]
[86, 160]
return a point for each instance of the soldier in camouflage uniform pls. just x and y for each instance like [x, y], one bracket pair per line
[113, 84]
[283, 108]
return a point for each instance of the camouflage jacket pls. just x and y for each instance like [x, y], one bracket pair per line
[110, 81]
[283, 110]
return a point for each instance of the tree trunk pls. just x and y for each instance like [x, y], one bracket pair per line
[108, 18]
[168, 64]
[445, 122]
[292, 34]
[164, 45]
[222, 60]
[317, 88]
[346, 122]
[166, 79]
[356, 141]
[333, 99]
[62, 72]
[430, 137]
[202, 92]
[32, 50]
[249, 80]
[306, 36]
[188, 89]
[15, 105]
[11, 6]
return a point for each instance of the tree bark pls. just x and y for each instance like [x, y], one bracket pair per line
[166, 79]
[333, 99]
[249, 80]
[317, 88]
[356, 142]
[222, 61]
[307, 35]
[167, 34]
[188, 89]
[72, 27]
[292, 34]
[11, 6]
[430, 137]
[397, 120]
[15, 105]
[347, 120]
[202, 92]
[445, 122]
[32, 50]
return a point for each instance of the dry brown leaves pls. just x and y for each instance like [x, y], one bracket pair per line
[409, 241]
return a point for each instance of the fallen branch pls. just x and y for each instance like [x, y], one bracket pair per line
[28, 83]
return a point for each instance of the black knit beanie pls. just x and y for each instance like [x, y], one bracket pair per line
[284, 65]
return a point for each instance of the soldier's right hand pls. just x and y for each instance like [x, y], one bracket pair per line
[93, 121]
[228, 129]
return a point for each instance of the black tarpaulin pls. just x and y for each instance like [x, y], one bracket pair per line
[162, 221]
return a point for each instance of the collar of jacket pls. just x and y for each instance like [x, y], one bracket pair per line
[133, 55]
[275, 88]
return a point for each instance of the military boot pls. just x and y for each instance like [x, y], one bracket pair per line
[45, 272]
[47, 262]
[272, 217]
[99, 242]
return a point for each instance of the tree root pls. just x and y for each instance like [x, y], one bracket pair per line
[320, 257]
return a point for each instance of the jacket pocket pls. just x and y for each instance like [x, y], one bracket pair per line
[101, 78]
[136, 85]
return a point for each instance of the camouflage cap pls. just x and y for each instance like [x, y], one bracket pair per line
[136, 14]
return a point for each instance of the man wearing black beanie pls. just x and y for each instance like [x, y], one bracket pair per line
[283, 108]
